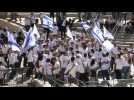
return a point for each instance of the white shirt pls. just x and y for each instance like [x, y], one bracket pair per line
[72, 68]
[3, 61]
[4, 49]
[105, 63]
[61, 49]
[30, 56]
[64, 60]
[85, 62]
[56, 67]
[2, 72]
[47, 68]
[115, 50]
[125, 62]
[119, 64]
[13, 58]
[80, 67]
[93, 66]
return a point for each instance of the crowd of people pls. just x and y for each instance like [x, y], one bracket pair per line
[69, 60]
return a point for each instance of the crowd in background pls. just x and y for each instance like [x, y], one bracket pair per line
[57, 57]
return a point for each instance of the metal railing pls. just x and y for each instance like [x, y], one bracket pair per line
[18, 79]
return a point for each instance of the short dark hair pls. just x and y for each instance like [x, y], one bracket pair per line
[85, 54]
[92, 62]
[72, 59]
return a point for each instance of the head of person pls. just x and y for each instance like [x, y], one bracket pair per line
[100, 49]
[85, 55]
[0, 63]
[107, 54]
[72, 59]
[92, 50]
[119, 56]
[92, 62]
[41, 57]
[89, 55]
[53, 60]
[104, 54]
[48, 60]
[71, 49]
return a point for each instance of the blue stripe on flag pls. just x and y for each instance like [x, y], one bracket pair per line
[48, 18]
[97, 36]
[11, 43]
[28, 38]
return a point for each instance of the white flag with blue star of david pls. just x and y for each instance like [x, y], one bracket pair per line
[48, 22]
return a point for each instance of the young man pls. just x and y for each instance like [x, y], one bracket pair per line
[71, 70]
[80, 67]
[47, 71]
[2, 72]
[93, 68]
[85, 61]
[126, 67]
[55, 67]
[13, 63]
[64, 61]
[118, 67]
[30, 61]
[105, 65]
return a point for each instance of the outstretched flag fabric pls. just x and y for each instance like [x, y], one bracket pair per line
[12, 42]
[107, 34]
[48, 22]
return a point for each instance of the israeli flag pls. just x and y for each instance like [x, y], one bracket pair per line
[108, 46]
[12, 42]
[69, 33]
[30, 40]
[107, 34]
[36, 32]
[97, 34]
[85, 26]
[48, 22]
[97, 24]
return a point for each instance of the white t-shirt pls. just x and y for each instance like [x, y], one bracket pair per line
[105, 63]
[72, 68]
[85, 61]
[56, 67]
[64, 60]
[30, 56]
[13, 58]
[80, 67]
[2, 72]
[93, 66]
[115, 50]
[3, 61]
[125, 62]
[47, 68]
[119, 64]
